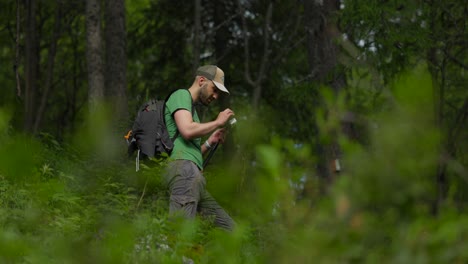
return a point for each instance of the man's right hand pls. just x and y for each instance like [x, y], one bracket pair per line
[224, 116]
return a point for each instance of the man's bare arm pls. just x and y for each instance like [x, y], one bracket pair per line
[190, 129]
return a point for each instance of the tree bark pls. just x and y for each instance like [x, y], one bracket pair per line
[17, 50]
[31, 65]
[50, 66]
[116, 60]
[324, 69]
[196, 35]
[94, 54]
[440, 65]
[221, 37]
[321, 33]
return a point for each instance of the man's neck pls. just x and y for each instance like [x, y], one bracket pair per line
[194, 92]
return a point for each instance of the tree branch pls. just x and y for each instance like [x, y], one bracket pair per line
[455, 60]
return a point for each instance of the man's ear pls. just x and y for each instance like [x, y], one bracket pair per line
[202, 80]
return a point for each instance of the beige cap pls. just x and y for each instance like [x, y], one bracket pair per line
[213, 73]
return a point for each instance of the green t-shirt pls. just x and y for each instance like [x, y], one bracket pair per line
[183, 149]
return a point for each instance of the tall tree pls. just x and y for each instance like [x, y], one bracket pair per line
[31, 65]
[223, 12]
[447, 61]
[17, 49]
[94, 53]
[196, 34]
[50, 66]
[324, 69]
[116, 59]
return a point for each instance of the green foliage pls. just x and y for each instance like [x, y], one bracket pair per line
[68, 195]
[20, 152]
[164, 65]
[64, 203]
[405, 149]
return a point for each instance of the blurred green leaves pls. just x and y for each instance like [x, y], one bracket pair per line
[86, 207]
[97, 138]
[19, 154]
[397, 170]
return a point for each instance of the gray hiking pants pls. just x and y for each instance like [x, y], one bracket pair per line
[188, 195]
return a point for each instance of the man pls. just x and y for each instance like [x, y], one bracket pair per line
[187, 186]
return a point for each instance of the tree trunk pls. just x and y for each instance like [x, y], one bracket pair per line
[31, 65]
[50, 66]
[321, 33]
[441, 66]
[324, 69]
[116, 60]
[196, 35]
[94, 54]
[17, 49]
[221, 37]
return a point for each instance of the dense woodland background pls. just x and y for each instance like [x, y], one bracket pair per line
[350, 145]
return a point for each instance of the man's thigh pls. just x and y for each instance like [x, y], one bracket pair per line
[185, 184]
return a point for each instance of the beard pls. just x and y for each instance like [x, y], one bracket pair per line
[204, 96]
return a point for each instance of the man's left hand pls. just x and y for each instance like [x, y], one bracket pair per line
[217, 136]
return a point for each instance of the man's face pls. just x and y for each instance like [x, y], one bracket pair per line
[208, 92]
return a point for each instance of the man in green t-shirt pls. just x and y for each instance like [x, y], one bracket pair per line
[184, 176]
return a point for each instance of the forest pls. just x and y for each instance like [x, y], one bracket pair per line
[350, 144]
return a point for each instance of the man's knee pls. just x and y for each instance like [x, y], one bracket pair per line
[184, 205]
[225, 222]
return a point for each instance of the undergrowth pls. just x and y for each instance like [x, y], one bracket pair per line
[60, 203]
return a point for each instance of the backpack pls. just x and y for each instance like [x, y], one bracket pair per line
[149, 135]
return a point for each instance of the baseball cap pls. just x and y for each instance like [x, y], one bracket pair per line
[213, 73]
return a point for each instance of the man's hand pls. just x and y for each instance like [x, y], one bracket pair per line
[218, 136]
[189, 129]
[224, 116]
